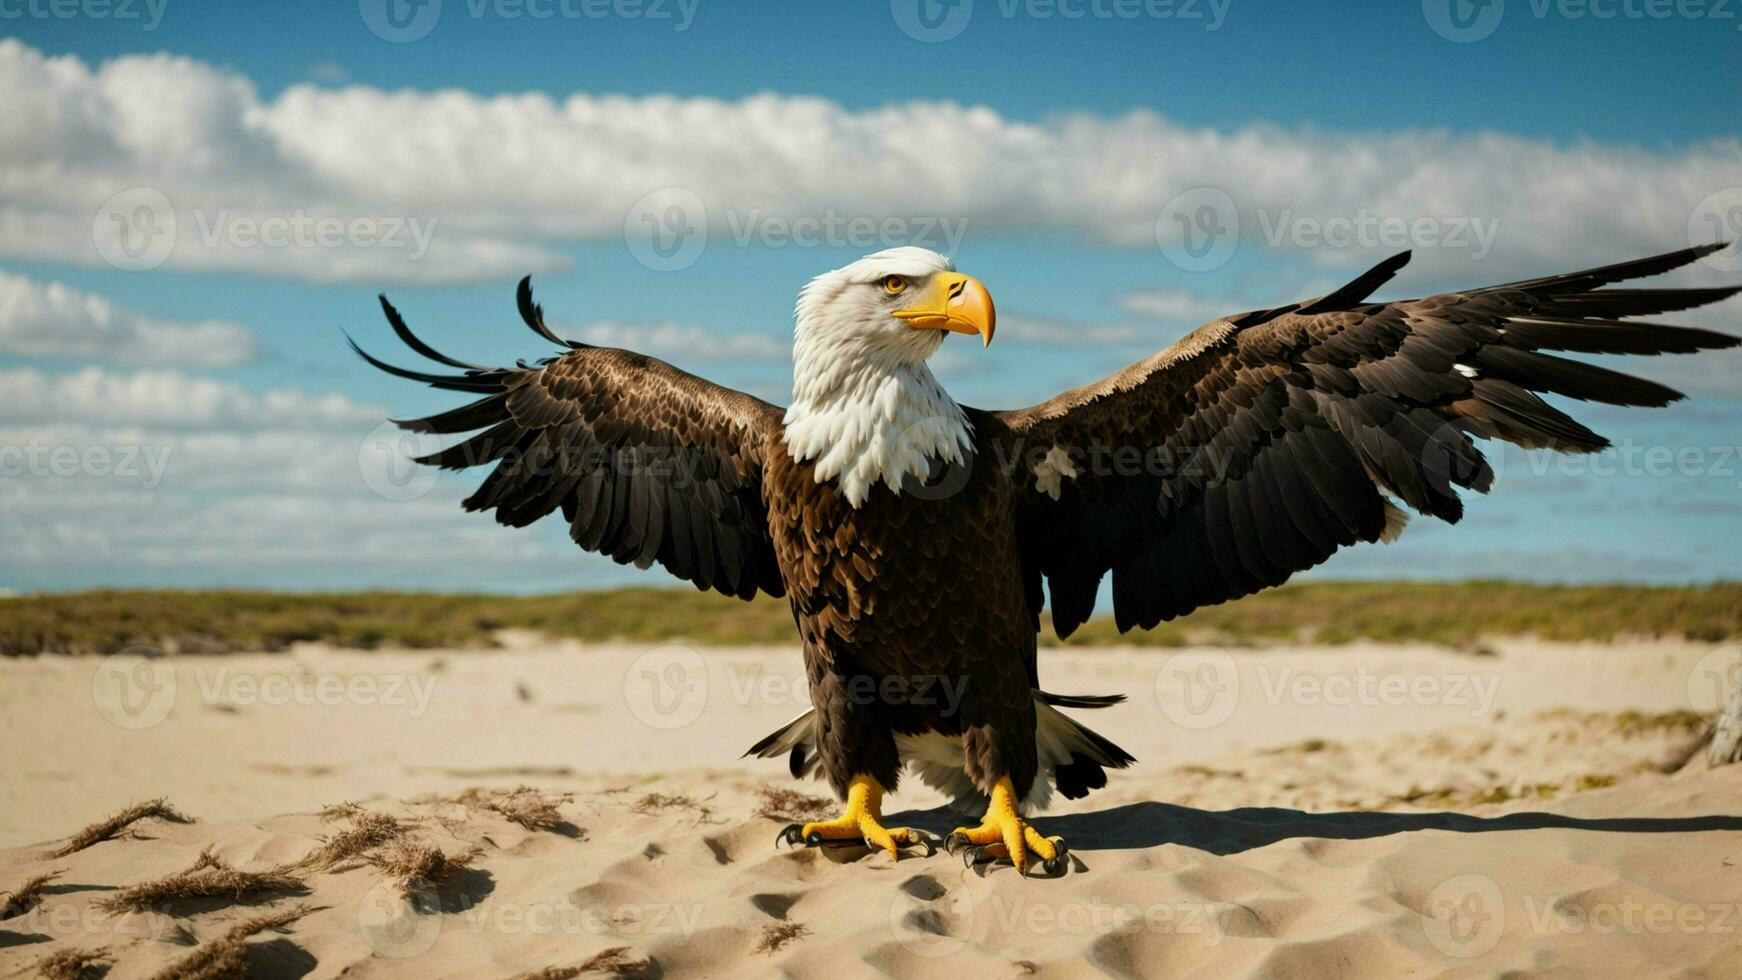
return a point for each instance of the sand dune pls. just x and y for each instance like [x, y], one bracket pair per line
[1535, 833]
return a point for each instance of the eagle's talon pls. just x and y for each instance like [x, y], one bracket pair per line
[860, 825]
[1060, 862]
[1005, 835]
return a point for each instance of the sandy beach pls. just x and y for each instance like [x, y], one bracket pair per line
[1351, 811]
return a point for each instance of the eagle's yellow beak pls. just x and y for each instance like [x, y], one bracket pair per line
[953, 302]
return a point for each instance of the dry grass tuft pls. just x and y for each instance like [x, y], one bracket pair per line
[616, 962]
[659, 803]
[419, 865]
[19, 900]
[348, 810]
[776, 935]
[791, 806]
[620, 963]
[209, 877]
[524, 805]
[73, 964]
[113, 827]
[226, 957]
[368, 830]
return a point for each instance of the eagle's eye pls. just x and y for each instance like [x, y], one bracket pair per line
[894, 284]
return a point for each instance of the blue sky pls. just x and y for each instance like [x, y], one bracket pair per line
[1055, 157]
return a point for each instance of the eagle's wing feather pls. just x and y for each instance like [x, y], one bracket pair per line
[646, 462]
[1260, 444]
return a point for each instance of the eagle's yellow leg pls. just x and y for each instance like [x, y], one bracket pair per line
[862, 820]
[1004, 834]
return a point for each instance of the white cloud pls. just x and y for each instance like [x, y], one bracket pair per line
[126, 477]
[1179, 307]
[50, 319]
[171, 400]
[687, 342]
[502, 176]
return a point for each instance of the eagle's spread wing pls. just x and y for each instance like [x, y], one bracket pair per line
[1261, 443]
[647, 463]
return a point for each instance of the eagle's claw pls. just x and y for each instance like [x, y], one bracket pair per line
[860, 825]
[1003, 834]
[1060, 862]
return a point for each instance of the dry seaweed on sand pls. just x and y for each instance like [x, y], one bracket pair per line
[227, 956]
[653, 803]
[73, 964]
[114, 826]
[617, 962]
[208, 877]
[368, 831]
[776, 935]
[789, 805]
[18, 900]
[524, 805]
[417, 865]
[347, 810]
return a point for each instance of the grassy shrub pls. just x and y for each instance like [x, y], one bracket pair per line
[1456, 614]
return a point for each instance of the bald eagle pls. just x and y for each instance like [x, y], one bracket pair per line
[920, 541]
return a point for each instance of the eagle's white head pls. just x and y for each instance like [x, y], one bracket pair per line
[865, 408]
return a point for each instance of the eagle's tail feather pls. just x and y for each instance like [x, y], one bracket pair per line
[1075, 757]
[1079, 756]
[796, 740]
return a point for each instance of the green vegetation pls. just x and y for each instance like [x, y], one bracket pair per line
[1460, 614]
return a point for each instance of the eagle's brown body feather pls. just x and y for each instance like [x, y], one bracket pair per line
[913, 617]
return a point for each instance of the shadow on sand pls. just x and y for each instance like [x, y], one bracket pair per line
[1232, 831]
